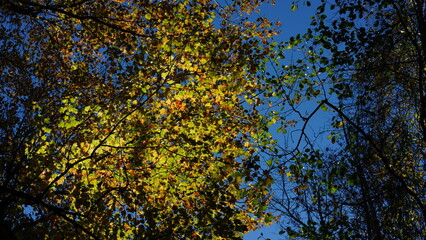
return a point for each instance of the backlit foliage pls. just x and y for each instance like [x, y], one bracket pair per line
[131, 119]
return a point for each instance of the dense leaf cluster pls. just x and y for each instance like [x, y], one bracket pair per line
[130, 119]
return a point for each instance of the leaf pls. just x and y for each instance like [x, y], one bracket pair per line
[132, 118]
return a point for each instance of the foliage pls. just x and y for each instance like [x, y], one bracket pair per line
[366, 64]
[131, 119]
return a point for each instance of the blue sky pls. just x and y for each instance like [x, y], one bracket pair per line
[292, 24]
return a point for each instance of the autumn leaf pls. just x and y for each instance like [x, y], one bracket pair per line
[131, 120]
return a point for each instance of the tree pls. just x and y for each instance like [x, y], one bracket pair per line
[131, 119]
[371, 183]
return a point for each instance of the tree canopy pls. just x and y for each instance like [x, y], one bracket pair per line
[365, 66]
[187, 119]
[131, 119]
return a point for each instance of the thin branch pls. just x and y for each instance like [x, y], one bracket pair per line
[384, 159]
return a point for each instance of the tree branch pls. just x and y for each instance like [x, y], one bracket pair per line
[383, 158]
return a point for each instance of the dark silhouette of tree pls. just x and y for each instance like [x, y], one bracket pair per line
[369, 57]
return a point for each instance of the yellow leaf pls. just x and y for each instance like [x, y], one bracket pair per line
[163, 111]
